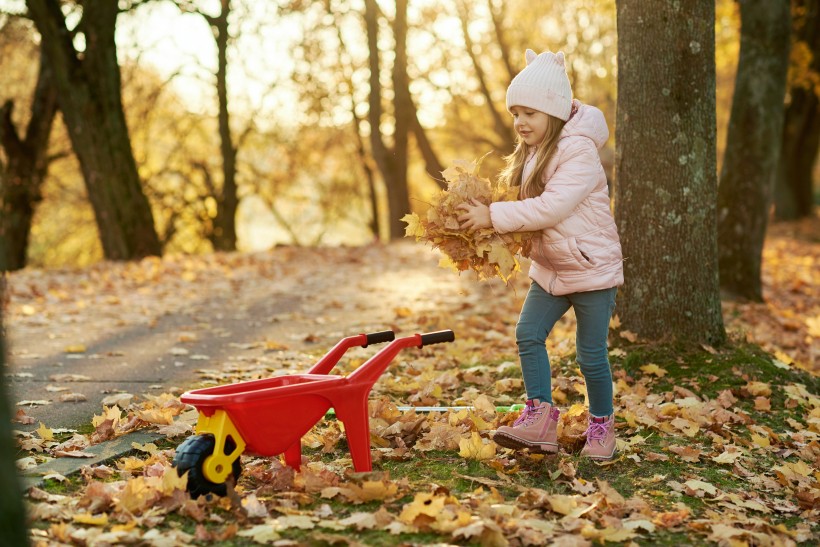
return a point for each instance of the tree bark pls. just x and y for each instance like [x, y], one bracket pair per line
[666, 191]
[12, 513]
[21, 187]
[392, 162]
[753, 145]
[89, 96]
[801, 129]
[404, 116]
[224, 227]
[361, 151]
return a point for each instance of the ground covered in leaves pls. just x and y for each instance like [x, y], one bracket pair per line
[716, 445]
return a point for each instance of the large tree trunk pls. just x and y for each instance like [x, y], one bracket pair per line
[801, 129]
[666, 191]
[89, 96]
[12, 513]
[753, 145]
[21, 187]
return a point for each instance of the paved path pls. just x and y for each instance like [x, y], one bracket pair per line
[153, 326]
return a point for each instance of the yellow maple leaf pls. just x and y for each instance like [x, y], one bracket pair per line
[414, 227]
[501, 255]
[93, 520]
[373, 490]
[654, 369]
[476, 448]
[563, 505]
[112, 413]
[44, 432]
[137, 495]
[758, 388]
[76, 348]
[148, 448]
[172, 481]
[423, 503]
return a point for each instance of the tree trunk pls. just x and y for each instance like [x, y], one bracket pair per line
[753, 145]
[224, 227]
[21, 188]
[404, 116]
[89, 95]
[666, 191]
[801, 129]
[392, 162]
[12, 513]
[361, 151]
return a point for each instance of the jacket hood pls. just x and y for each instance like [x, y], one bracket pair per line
[587, 122]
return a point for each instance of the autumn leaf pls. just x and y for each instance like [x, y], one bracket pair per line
[93, 520]
[654, 369]
[476, 448]
[45, 433]
[486, 252]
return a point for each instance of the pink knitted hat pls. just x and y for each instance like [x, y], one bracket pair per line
[543, 85]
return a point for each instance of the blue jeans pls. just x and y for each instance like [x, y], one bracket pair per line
[539, 314]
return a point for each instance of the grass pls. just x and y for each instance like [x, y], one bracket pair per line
[705, 373]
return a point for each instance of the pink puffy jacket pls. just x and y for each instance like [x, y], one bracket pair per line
[579, 249]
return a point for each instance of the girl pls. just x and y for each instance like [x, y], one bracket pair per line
[577, 260]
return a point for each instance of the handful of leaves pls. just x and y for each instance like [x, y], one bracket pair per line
[486, 252]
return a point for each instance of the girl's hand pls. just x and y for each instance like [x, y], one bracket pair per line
[476, 215]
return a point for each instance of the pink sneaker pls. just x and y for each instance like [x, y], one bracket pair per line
[600, 434]
[536, 429]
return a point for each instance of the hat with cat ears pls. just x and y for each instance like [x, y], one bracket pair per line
[543, 85]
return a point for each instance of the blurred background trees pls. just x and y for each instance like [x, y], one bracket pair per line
[753, 145]
[266, 115]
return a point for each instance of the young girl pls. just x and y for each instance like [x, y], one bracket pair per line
[577, 260]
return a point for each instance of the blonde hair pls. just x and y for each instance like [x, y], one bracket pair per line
[534, 185]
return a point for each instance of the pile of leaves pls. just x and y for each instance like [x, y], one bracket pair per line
[484, 251]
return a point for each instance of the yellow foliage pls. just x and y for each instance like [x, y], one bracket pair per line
[484, 251]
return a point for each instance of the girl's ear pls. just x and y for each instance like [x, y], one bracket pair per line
[530, 55]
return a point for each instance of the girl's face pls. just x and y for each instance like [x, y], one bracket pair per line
[530, 124]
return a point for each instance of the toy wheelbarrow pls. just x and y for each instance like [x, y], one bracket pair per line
[269, 417]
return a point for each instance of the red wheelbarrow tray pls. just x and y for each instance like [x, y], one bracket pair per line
[273, 414]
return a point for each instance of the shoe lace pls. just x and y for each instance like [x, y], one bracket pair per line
[597, 431]
[529, 414]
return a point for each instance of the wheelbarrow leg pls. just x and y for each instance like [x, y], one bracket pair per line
[353, 413]
[293, 455]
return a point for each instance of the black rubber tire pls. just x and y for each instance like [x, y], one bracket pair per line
[189, 457]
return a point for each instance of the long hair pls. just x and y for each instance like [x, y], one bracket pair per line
[534, 185]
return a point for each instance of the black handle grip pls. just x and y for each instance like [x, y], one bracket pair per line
[379, 337]
[437, 337]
